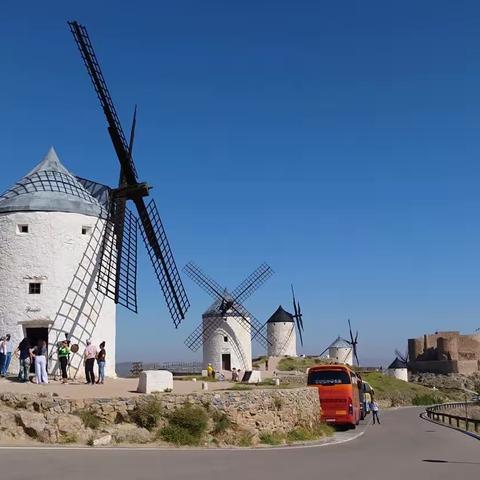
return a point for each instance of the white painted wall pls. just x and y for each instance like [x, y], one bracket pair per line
[51, 253]
[238, 344]
[341, 355]
[399, 373]
[282, 339]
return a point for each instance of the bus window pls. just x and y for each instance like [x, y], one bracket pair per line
[328, 377]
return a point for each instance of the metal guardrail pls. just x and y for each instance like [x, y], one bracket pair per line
[437, 413]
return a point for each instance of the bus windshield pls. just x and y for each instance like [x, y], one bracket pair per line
[328, 377]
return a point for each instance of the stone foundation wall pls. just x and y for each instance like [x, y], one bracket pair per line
[253, 410]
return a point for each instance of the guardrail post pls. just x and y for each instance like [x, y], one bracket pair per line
[458, 422]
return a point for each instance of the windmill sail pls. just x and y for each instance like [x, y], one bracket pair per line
[130, 189]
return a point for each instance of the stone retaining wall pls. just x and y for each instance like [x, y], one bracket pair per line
[253, 410]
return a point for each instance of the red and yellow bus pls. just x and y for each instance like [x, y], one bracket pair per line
[338, 390]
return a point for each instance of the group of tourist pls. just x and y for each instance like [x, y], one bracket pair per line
[37, 355]
[236, 374]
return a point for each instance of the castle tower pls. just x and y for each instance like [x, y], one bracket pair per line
[51, 229]
[341, 351]
[282, 340]
[227, 342]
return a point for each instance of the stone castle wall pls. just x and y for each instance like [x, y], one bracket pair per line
[444, 353]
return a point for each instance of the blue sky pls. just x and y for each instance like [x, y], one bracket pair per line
[337, 141]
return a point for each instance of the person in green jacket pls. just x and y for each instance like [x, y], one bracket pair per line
[63, 356]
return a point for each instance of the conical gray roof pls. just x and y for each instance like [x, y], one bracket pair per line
[340, 343]
[50, 187]
[280, 316]
[397, 363]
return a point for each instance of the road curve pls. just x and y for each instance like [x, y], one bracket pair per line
[403, 447]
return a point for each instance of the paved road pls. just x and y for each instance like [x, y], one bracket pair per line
[404, 447]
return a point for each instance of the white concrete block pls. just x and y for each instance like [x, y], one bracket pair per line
[255, 377]
[204, 385]
[155, 381]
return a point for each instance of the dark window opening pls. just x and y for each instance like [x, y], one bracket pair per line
[328, 377]
[225, 339]
[23, 229]
[34, 288]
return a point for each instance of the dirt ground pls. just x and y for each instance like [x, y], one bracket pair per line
[120, 387]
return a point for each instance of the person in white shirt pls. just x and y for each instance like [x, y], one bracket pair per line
[374, 409]
[5, 355]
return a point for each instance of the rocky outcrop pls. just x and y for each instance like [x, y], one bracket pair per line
[53, 419]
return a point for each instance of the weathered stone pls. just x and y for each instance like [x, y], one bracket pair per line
[103, 440]
[49, 434]
[69, 424]
[32, 423]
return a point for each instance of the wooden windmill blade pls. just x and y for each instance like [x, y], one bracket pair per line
[205, 282]
[252, 283]
[353, 342]
[130, 188]
[297, 316]
[117, 275]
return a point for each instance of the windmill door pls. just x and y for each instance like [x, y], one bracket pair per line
[226, 361]
[35, 335]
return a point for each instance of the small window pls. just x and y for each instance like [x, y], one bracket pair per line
[23, 228]
[225, 339]
[34, 288]
[86, 230]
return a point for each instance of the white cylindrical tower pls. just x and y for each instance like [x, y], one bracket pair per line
[50, 237]
[281, 335]
[398, 369]
[341, 351]
[227, 341]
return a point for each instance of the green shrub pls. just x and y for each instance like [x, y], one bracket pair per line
[244, 439]
[221, 422]
[278, 403]
[304, 434]
[272, 438]
[89, 419]
[90, 441]
[148, 414]
[187, 425]
[68, 438]
[300, 364]
[426, 399]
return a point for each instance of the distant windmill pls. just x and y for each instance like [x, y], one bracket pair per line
[281, 330]
[353, 342]
[227, 327]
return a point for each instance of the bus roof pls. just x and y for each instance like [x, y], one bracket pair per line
[334, 366]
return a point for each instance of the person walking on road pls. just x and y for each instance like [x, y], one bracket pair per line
[374, 408]
[6, 351]
[40, 353]
[101, 356]
[89, 357]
